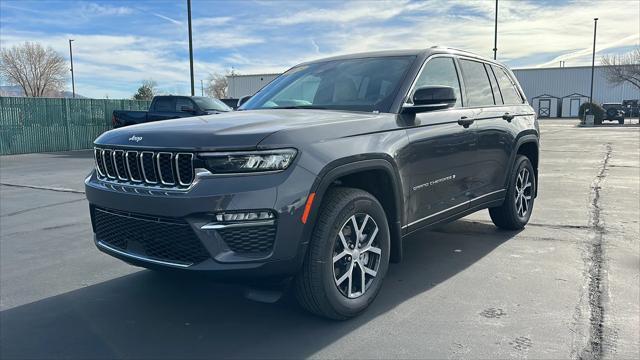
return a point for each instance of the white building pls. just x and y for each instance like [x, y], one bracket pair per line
[571, 85]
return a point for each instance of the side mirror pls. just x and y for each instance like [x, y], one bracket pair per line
[185, 108]
[431, 98]
[243, 100]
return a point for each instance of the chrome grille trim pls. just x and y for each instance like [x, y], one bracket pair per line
[105, 154]
[137, 160]
[154, 175]
[98, 160]
[159, 167]
[177, 167]
[114, 154]
[144, 173]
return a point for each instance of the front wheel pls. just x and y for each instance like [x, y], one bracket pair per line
[515, 212]
[348, 255]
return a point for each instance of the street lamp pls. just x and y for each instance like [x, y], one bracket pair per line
[495, 34]
[73, 84]
[190, 48]
[593, 59]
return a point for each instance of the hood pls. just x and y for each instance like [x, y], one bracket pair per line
[232, 130]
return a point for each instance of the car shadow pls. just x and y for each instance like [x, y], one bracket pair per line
[150, 315]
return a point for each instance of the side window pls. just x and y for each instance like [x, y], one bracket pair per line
[507, 87]
[164, 104]
[494, 85]
[476, 83]
[441, 71]
[180, 102]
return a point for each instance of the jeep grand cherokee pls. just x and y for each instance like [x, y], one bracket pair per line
[321, 174]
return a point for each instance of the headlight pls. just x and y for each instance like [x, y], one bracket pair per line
[248, 162]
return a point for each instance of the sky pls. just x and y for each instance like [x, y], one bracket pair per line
[118, 44]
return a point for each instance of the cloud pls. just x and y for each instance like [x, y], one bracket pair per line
[174, 21]
[105, 10]
[348, 13]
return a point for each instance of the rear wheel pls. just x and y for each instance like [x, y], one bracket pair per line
[515, 212]
[348, 256]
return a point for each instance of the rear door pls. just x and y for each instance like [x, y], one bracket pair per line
[439, 151]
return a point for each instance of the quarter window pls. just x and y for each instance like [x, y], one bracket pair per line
[441, 71]
[494, 85]
[476, 83]
[507, 87]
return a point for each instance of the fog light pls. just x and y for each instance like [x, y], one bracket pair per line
[245, 216]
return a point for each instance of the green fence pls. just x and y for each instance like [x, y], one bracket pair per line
[30, 125]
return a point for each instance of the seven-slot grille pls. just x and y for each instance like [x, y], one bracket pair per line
[156, 168]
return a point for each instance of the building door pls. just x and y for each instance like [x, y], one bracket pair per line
[544, 108]
[574, 106]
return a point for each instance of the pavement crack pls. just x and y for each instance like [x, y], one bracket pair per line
[595, 256]
[42, 207]
[43, 188]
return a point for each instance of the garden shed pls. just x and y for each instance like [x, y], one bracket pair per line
[571, 104]
[546, 105]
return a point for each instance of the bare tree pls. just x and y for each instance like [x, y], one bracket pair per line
[146, 91]
[623, 68]
[217, 86]
[38, 71]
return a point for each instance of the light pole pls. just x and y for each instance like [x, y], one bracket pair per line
[201, 87]
[593, 60]
[73, 83]
[190, 48]
[495, 35]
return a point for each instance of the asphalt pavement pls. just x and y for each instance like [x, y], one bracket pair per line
[567, 286]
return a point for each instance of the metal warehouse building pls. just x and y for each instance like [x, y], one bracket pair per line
[553, 92]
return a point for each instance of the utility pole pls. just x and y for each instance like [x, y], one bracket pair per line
[593, 59]
[190, 48]
[201, 87]
[495, 35]
[73, 83]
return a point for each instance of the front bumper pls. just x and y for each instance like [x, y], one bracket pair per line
[157, 228]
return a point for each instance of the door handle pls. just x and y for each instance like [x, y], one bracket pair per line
[465, 121]
[508, 117]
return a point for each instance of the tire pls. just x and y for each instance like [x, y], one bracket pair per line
[318, 288]
[510, 215]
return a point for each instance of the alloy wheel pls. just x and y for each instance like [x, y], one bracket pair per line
[524, 191]
[356, 255]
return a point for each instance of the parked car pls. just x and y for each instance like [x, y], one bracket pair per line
[232, 103]
[321, 175]
[614, 112]
[170, 107]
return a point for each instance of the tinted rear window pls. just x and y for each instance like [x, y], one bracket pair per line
[164, 104]
[508, 89]
[476, 82]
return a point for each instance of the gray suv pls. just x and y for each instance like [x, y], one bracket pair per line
[321, 174]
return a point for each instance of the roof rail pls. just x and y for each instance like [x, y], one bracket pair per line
[452, 48]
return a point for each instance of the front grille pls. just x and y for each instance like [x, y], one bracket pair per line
[248, 240]
[164, 169]
[165, 239]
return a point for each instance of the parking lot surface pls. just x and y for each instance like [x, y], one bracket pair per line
[567, 286]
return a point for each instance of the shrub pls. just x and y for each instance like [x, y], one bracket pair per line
[593, 109]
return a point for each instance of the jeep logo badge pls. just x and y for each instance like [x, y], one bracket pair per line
[135, 138]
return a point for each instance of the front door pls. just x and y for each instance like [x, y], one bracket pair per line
[574, 107]
[439, 153]
[544, 108]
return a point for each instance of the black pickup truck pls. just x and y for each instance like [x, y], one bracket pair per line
[170, 107]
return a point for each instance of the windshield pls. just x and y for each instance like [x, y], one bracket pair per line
[368, 84]
[206, 103]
